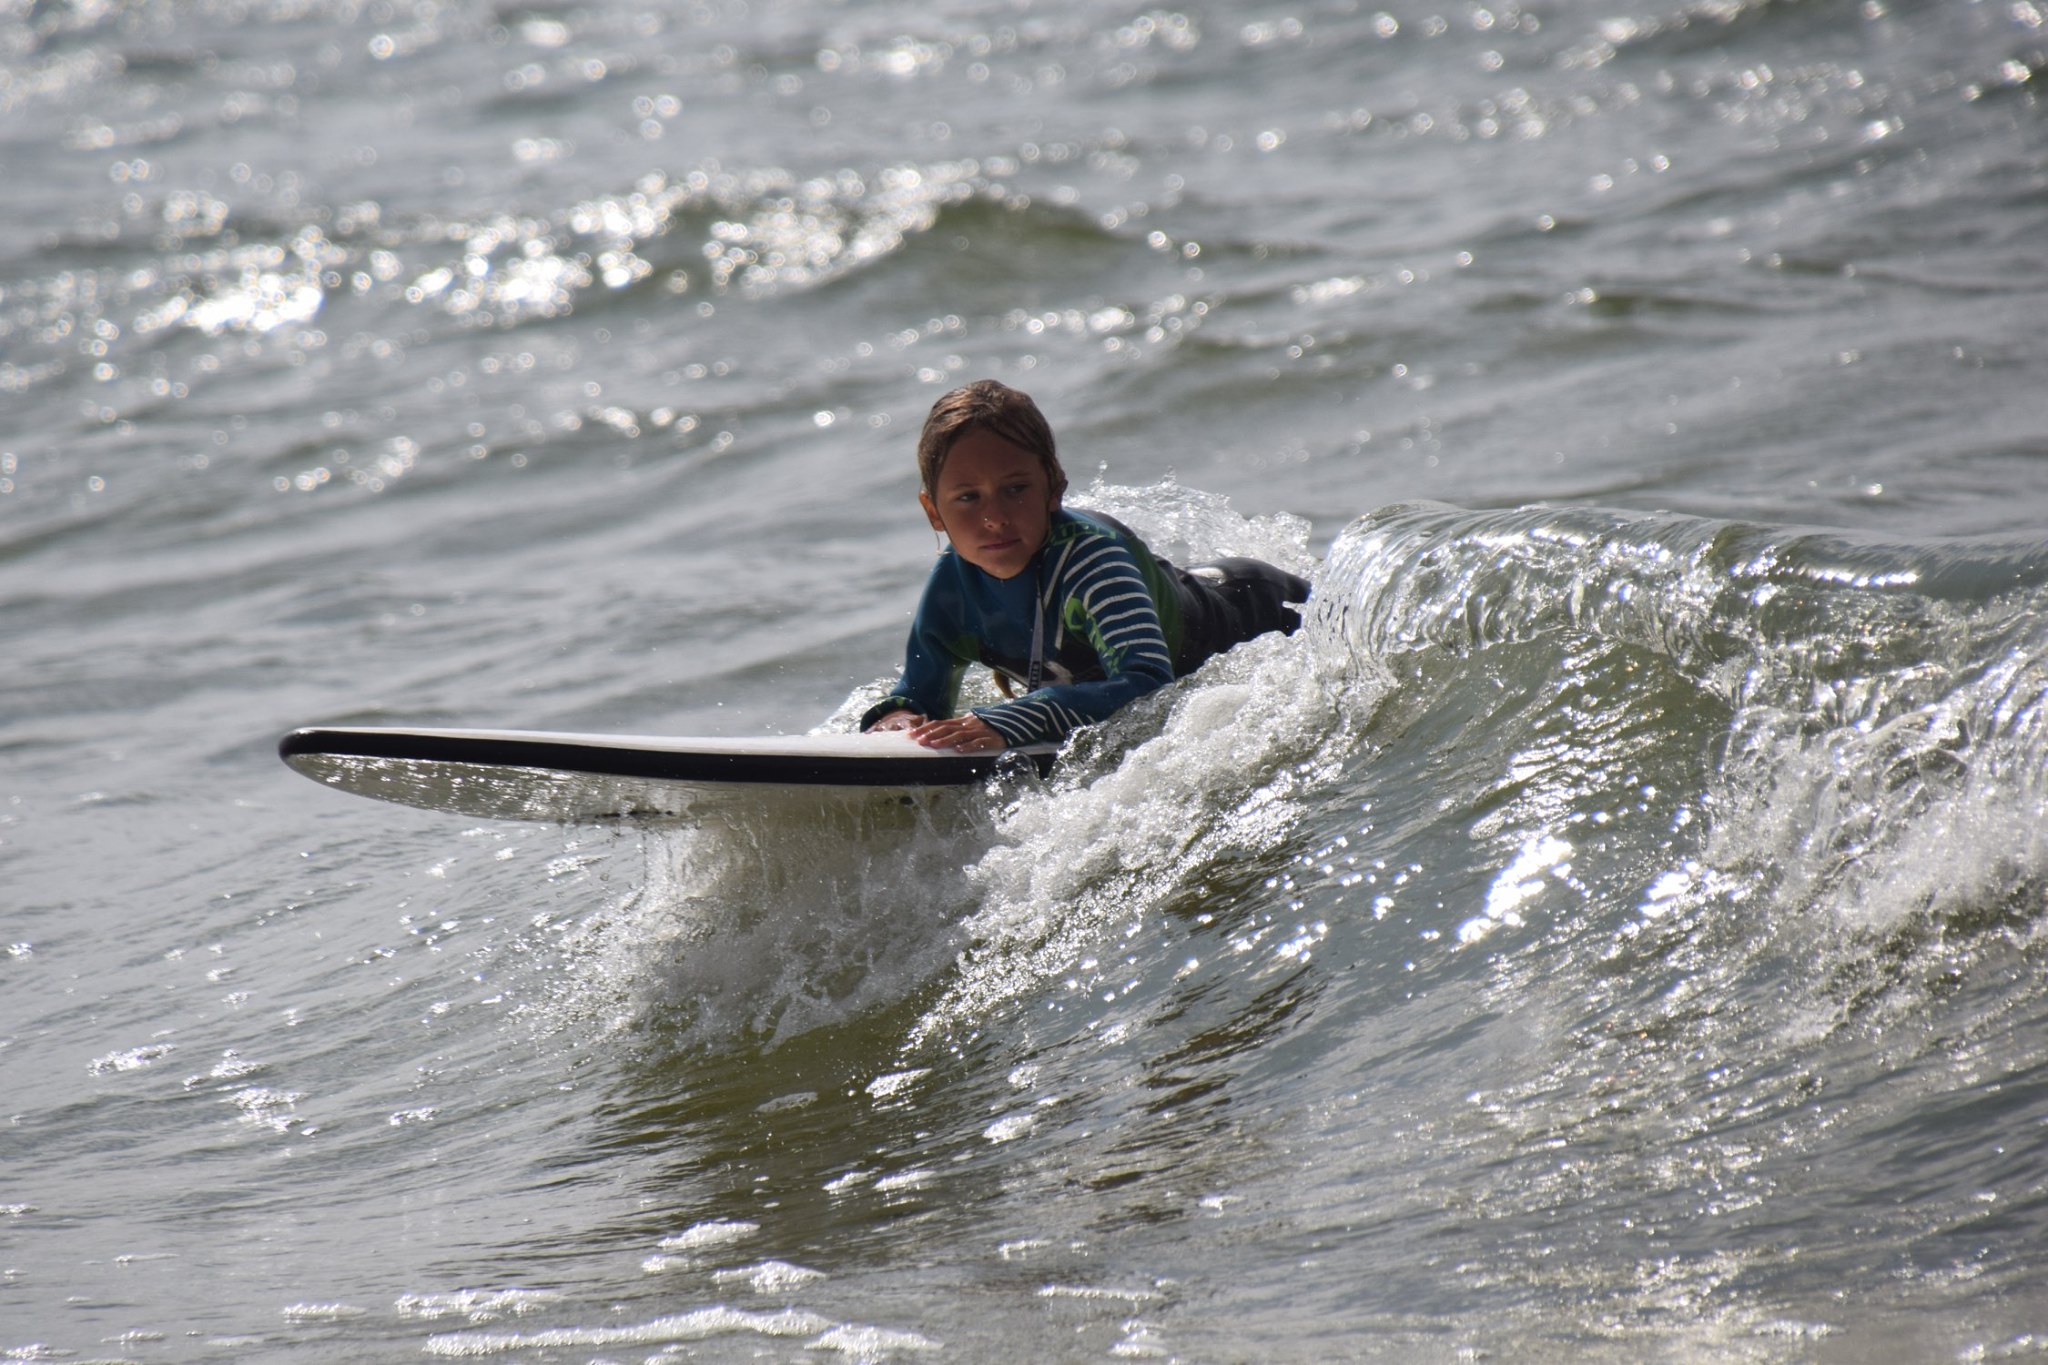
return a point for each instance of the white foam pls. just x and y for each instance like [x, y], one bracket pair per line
[716, 1233]
[477, 1305]
[322, 1312]
[769, 1277]
[869, 1343]
[697, 1325]
[1070, 1291]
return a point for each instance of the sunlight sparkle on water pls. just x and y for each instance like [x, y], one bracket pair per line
[1518, 883]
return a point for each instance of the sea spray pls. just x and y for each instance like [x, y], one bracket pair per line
[741, 937]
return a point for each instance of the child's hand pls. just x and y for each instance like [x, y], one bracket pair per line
[897, 720]
[964, 734]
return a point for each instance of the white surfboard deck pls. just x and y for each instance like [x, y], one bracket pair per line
[564, 778]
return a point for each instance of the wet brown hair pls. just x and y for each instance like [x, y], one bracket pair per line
[993, 407]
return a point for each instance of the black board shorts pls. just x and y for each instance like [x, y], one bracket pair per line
[1225, 602]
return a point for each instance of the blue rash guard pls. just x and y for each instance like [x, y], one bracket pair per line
[1109, 618]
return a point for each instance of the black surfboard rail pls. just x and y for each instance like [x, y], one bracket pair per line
[659, 760]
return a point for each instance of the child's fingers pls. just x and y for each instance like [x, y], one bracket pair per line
[967, 733]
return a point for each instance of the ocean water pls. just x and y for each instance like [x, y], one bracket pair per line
[1612, 930]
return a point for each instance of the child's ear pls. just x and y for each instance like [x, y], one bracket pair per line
[931, 511]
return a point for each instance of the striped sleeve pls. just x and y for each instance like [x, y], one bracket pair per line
[1100, 595]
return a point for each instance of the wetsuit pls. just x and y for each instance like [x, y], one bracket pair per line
[1095, 622]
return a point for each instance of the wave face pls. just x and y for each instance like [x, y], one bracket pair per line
[1652, 720]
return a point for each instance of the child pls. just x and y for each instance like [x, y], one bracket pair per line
[1070, 605]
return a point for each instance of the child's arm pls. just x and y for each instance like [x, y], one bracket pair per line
[930, 684]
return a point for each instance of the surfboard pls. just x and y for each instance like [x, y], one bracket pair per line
[564, 778]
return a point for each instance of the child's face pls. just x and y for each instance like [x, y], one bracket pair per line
[994, 502]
